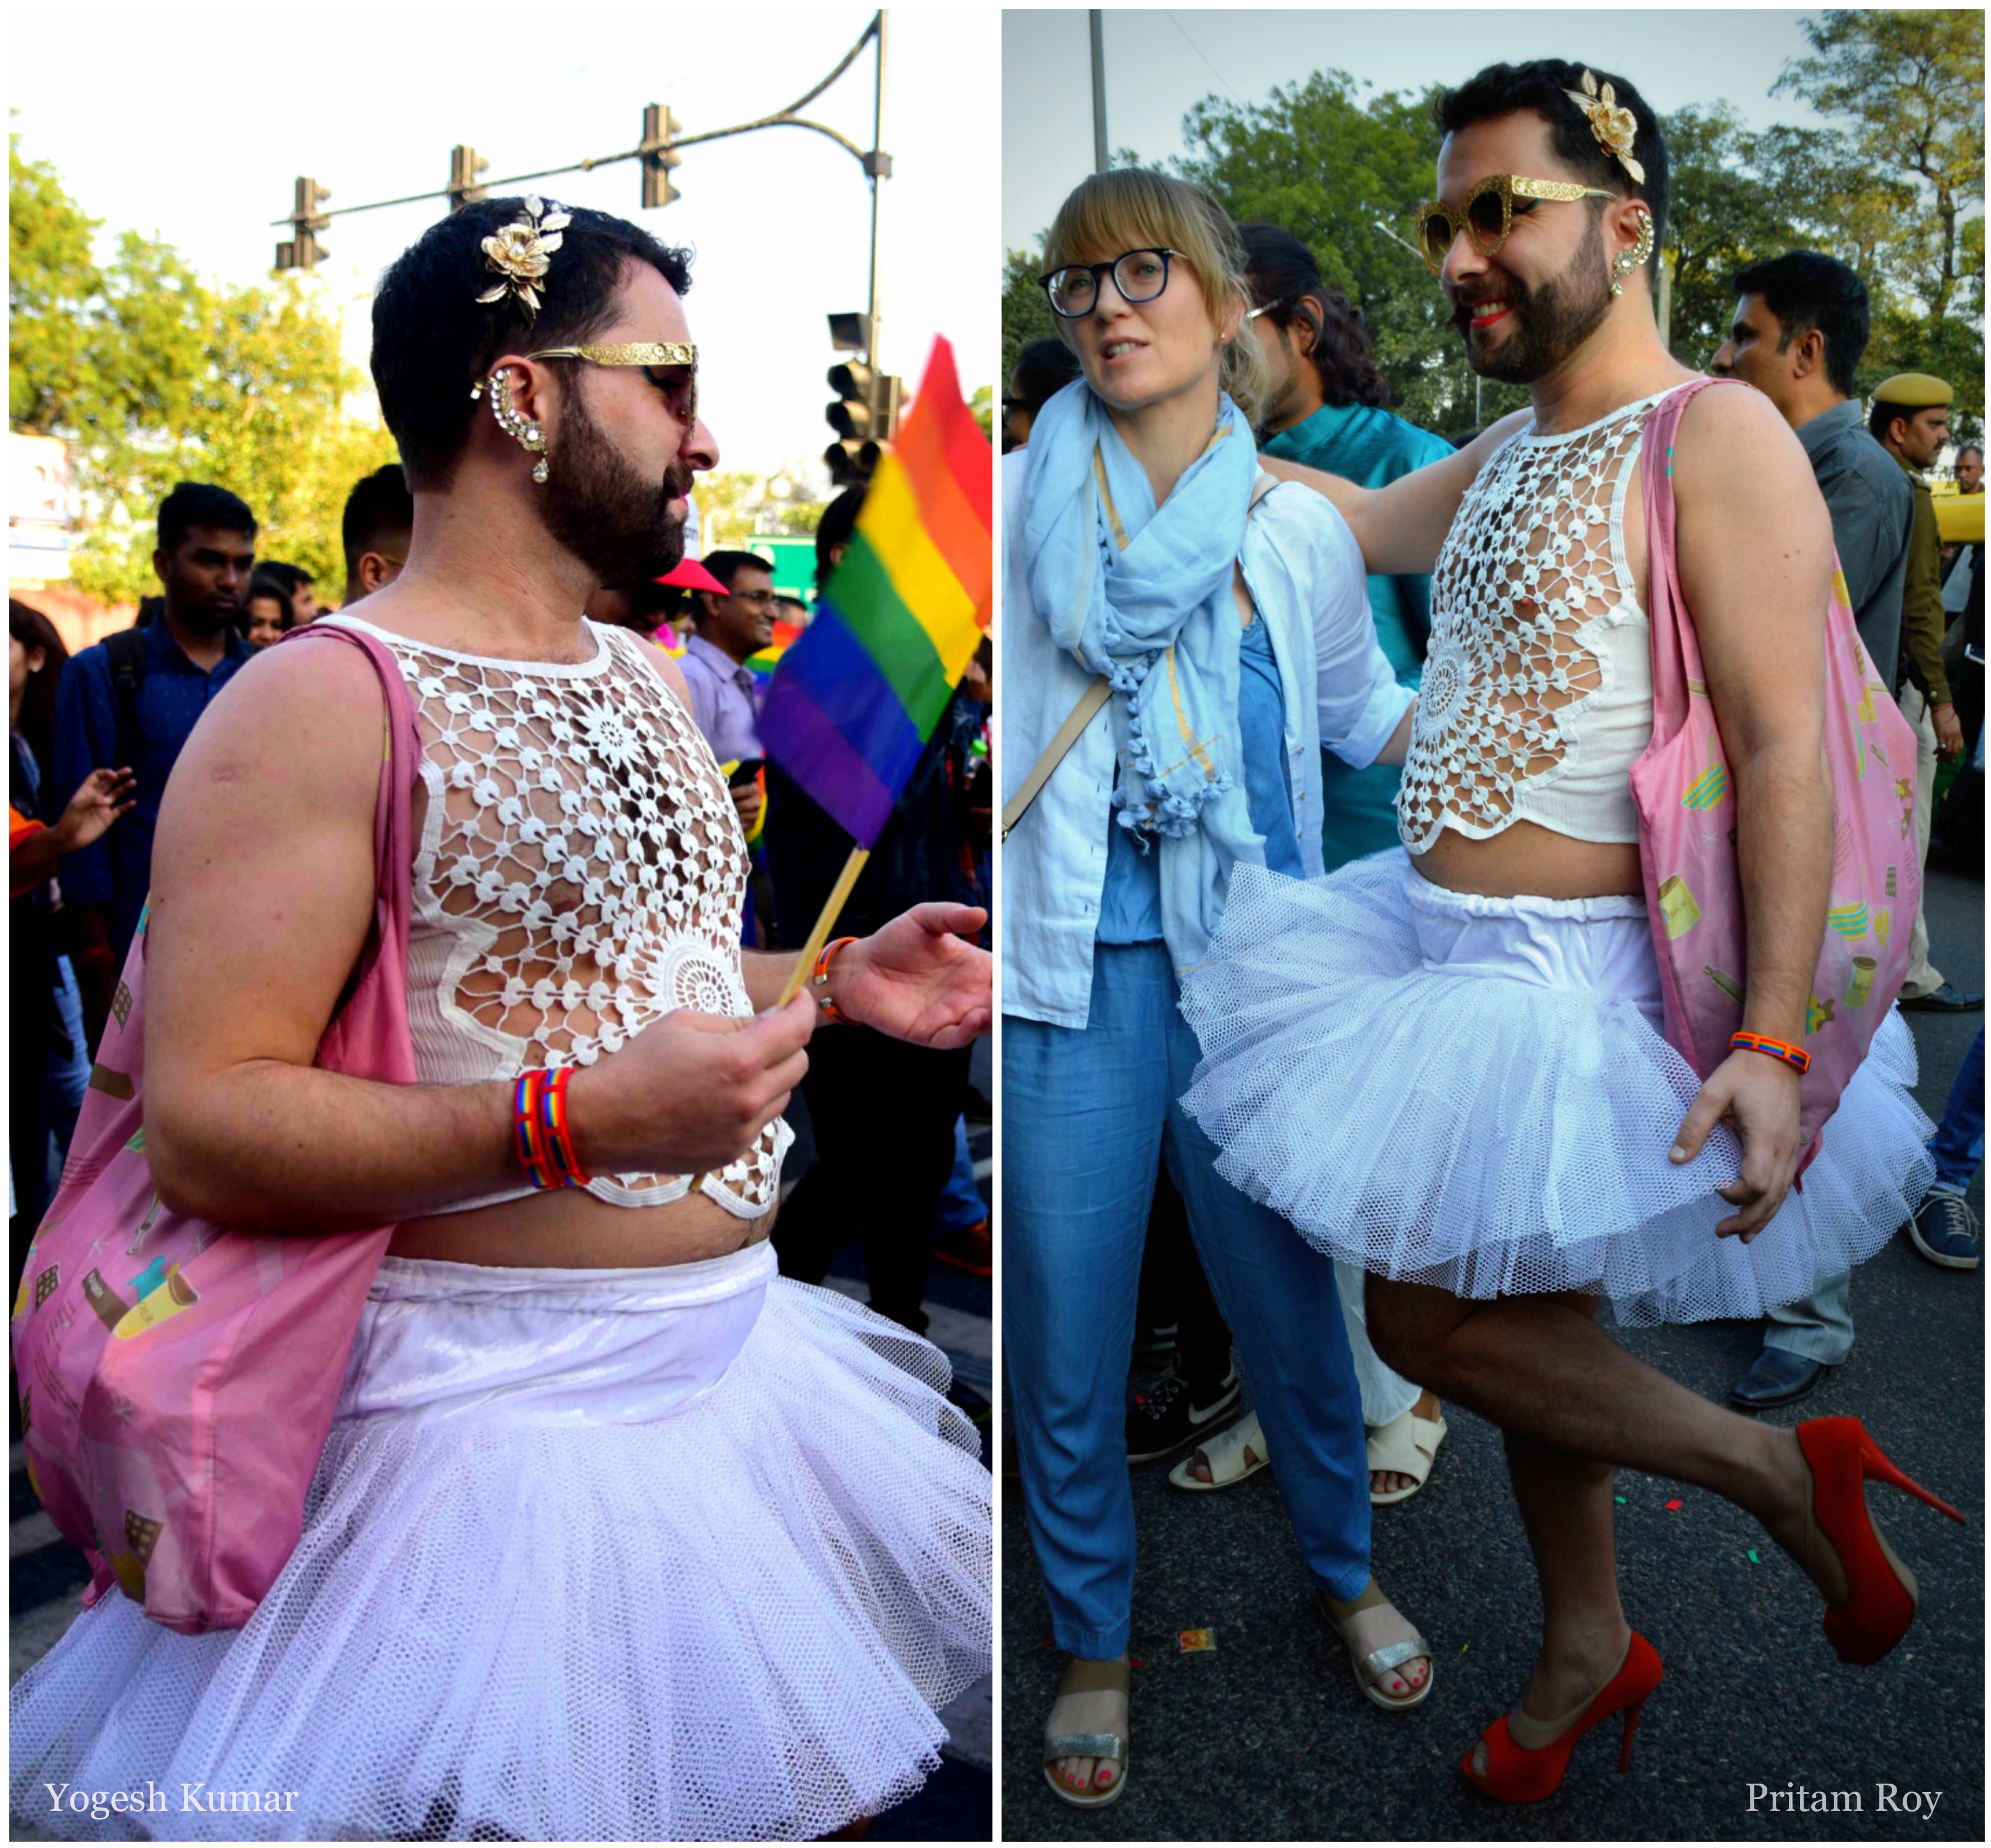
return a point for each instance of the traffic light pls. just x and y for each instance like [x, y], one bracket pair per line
[660, 129]
[303, 250]
[865, 415]
[465, 165]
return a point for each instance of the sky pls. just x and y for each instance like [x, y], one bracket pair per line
[193, 124]
[1159, 62]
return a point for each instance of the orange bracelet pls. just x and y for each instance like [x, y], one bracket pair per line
[819, 979]
[1776, 1048]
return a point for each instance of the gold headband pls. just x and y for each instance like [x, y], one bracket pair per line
[519, 253]
[1616, 128]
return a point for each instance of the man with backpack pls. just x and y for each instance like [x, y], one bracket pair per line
[130, 703]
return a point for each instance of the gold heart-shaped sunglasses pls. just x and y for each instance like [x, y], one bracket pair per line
[1487, 214]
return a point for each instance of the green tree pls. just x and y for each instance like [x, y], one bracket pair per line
[153, 376]
[1904, 173]
[1911, 85]
[981, 407]
[1026, 315]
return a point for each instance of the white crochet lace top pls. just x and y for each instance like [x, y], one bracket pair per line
[580, 873]
[1537, 691]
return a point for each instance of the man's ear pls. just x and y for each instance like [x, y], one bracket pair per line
[372, 572]
[1810, 353]
[161, 563]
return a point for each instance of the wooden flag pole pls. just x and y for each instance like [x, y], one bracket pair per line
[832, 907]
[798, 975]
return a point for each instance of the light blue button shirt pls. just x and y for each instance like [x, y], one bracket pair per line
[1304, 574]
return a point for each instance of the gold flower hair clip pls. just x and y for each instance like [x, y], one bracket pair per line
[519, 253]
[1616, 128]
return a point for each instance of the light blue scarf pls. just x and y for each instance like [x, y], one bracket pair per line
[1142, 595]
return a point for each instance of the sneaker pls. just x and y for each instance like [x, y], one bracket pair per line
[1154, 1345]
[1944, 1230]
[968, 1250]
[1173, 1412]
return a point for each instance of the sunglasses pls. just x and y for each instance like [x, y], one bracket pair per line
[1487, 214]
[672, 366]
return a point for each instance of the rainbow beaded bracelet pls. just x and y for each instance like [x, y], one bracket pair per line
[1776, 1048]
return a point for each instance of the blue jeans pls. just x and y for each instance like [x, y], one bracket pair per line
[960, 1207]
[1958, 1145]
[1086, 1115]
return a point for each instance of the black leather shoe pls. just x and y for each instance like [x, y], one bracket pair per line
[1948, 1000]
[1779, 1377]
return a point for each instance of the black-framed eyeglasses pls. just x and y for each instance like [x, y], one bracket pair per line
[1139, 275]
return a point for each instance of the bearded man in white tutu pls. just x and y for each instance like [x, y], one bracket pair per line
[1447, 1064]
[641, 1541]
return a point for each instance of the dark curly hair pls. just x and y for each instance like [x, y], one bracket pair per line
[1543, 85]
[1286, 284]
[433, 339]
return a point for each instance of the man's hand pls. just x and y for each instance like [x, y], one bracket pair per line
[105, 796]
[919, 979]
[1948, 731]
[1760, 1094]
[690, 1093]
[748, 800]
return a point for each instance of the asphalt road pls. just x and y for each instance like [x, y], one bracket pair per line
[1267, 1738]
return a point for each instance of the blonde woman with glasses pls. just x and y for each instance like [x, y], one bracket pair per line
[1181, 637]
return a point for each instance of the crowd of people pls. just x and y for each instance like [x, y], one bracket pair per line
[580, 1180]
[1336, 1036]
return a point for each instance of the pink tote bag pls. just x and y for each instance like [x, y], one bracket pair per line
[177, 1378]
[1686, 799]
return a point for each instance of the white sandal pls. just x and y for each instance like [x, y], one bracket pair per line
[1225, 1455]
[1405, 1446]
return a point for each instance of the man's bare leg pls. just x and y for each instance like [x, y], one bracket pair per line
[1540, 1368]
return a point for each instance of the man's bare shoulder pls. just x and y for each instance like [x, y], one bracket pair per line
[1734, 424]
[302, 723]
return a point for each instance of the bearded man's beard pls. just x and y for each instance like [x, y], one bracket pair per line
[602, 511]
[1550, 321]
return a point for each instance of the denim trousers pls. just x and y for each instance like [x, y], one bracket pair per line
[1086, 1114]
[1958, 1144]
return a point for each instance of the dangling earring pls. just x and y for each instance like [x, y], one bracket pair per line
[528, 435]
[1640, 253]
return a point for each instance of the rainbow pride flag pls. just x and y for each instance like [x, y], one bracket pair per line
[855, 696]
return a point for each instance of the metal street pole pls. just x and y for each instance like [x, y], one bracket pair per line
[871, 167]
[1099, 158]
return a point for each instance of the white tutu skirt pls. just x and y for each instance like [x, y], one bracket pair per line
[1476, 1094]
[690, 1553]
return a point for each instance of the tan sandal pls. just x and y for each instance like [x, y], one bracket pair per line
[1405, 1446]
[1370, 1669]
[1083, 1677]
[1234, 1456]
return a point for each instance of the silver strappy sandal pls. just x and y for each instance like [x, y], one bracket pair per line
[1082, 1677]
[1370, 1669]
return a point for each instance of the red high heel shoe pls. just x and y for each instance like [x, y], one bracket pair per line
[1881, 1595]
[1527, 1769]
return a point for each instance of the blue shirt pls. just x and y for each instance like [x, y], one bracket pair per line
[1130, 907]
[1303, 572]
[1370, 448]
[116, 870]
